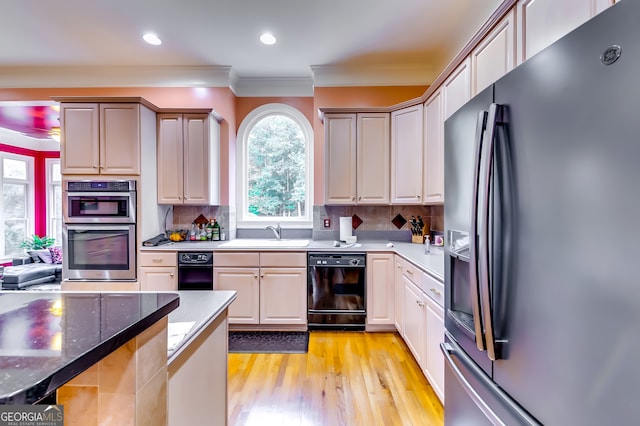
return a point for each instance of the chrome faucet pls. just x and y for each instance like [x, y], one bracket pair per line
[277, 230]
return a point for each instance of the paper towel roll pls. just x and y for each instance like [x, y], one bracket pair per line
[346, 228]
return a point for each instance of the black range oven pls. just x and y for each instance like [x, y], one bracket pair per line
[336, 285]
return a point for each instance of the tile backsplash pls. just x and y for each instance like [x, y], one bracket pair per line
[375, 219]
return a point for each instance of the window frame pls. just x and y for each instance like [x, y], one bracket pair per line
[29, 184]
[243, 220]
[51, 194]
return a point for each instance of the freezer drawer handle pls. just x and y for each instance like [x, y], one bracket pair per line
[449, 352]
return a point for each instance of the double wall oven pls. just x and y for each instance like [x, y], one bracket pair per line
[99, 232]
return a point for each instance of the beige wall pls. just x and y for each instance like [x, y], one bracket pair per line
[233, 110]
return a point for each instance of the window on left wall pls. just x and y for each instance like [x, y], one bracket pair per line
[54, 199]
[17, 209]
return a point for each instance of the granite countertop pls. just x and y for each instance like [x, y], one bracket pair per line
[48, 338]
[197, 310]
[432, 263]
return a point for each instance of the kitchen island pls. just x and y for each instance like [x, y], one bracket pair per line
[97, 350]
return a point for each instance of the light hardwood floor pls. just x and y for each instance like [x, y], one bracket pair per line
[346, 378]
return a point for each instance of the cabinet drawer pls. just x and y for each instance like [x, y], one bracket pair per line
[411, 272]
[158, 258]
[274, 259]
[236, 259]
[433, 288]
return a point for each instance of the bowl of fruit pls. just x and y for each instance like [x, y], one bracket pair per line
[177, 234]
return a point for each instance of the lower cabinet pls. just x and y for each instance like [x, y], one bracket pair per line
[271, 287]
[420, 319]
[380, 291]
[434, 363]
[158, 271]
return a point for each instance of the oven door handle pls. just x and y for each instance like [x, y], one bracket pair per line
[105, 227]
[125, 194]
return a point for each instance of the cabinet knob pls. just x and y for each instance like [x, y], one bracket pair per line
[353, 198]
[261, 275]
[255, 275]
[171, 274]
[95, 167]
[360, 197]
[421, 304]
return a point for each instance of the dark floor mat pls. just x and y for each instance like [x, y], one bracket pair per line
[294, 342]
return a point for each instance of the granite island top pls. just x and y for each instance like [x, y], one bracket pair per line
[432, 263]
[48, 338]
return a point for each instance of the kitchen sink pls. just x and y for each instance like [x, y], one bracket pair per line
[264, 243]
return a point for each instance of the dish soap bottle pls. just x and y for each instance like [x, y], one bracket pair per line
[193, 235]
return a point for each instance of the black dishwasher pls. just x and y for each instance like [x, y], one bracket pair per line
[195, 270]
[336, 291]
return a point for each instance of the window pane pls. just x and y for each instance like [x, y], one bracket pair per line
[276, 168]
[57, 201]
[15, 169]
[55, 172]
[15, 232]
[15, 201]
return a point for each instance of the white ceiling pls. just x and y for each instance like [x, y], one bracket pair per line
[80, 43]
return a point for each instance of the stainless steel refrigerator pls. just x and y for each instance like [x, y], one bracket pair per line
[542, 227]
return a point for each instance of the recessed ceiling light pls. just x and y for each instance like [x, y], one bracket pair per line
[151, 38]
[268, 38]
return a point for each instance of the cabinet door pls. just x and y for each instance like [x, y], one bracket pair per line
[398, 297]
[495, 55]
[433, 186]
[158, 278]
[283, 296]
[456, 89]
[541, 22]
[246, 308]
[380, 289]
[196, 158]
[340, 158]
[372, 154]
[79, 144]
[434, 365]
[120, 139]
[170, 158]
[414, 315]
[406, 155]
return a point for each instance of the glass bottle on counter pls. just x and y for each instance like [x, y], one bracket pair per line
[193, 235]
[203, 232]
[209, 229]
[215, 234]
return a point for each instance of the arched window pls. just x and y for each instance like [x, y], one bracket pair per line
[275, 168]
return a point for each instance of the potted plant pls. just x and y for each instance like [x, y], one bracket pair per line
[34, 243]
[37, 243]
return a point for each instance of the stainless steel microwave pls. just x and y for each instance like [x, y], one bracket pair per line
[93, 201]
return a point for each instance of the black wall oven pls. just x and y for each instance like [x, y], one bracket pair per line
[99, 231]
[336, 291]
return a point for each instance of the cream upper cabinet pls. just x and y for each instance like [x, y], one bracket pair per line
[380, 289]
[340, 158]
[188, 159]
[495, 55]
[357, 158]
[372, 153]
[100, 138]
[406, 155]
[542, 22]
[433, 186]
[456, 90]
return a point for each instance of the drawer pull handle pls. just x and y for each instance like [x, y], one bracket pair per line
[434, 291]
[421, 304]
[410, 272]
[156, 260]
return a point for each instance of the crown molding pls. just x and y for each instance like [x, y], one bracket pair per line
[387, 75]
[94, 76]
[272, 86]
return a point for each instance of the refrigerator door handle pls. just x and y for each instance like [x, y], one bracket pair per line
[473, 232]
[451, 350]
[483, 247]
